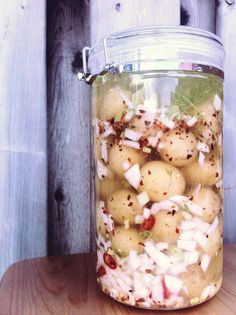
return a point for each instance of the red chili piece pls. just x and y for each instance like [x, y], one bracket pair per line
[101, 271]
[109, 261]
[147, 224]
[166, 291]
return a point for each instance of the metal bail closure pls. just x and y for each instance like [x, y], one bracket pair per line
[111, 67]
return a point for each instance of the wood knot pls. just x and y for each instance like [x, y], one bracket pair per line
[59, 195]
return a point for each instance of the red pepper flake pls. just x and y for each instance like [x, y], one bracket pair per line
[109, 261]
[212, 146]
[149, 172]
[142, 244]
[130, 204]
[140, 300]
[170, 159]
[190, 198]
[129, 159]
[141, 182]
[165, 193]
[165, 290]
[189, 156]
[143, 142]
[101, 271]
[173, 212]
[148, 270]
[147, 224]
[129, 196]
[177, 230]
[142, 111]
[147, 123]
[217, 174]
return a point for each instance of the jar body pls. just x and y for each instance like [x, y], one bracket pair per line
[158, 160]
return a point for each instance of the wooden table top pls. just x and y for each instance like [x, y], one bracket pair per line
[66, 285]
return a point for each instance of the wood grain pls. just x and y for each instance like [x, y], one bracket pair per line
[66, 285]
[226, 29]
[199, 13]
[68, 129]
[120, 15]
[23, 162]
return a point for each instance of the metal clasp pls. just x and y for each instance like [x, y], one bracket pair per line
[110, 66]
[85, 75]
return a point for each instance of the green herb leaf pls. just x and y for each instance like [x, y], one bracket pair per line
[186, 208]
[146, 234]
[118, 117]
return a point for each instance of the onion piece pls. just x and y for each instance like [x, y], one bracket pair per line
[128, 102]
[133, 260]
[201, 225]
[212, 227]
[207, 134]
[177, 268]
[187, 216]
[132, 135]
[201, 158]
[140, 290]
[129, 116]
[201, 239]
[143, 198]
[104, 151]
[187, 205]
[187, 225]
[205, 261]
[167, 122]
[191, 258]
[102, 170]
[160, 145]
[192, 121]
[153, 141]
[186, 235]
[139, 219]
[131, 144]
[186, 245]
[157, 289]
[173, 283]
[133, 176]
[219, 184]
[217, 103]
[146, 213]
[164, 205]
[203, 147]
[108, 132]
[159, 258]
[162, 246]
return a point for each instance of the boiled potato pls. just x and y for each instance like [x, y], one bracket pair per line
[107, 186]
[208, 119]
[180, 147]
[166, 226]
[161, 180]
[112, 103]
[123, 205]
[194, 280]
[121, 153]
[214, 271]
[123, 241]
[210, 202]
[209, 173]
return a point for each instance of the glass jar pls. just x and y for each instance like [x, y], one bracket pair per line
[157, 115]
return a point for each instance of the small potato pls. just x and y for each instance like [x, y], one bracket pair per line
[214, 271]
[166, 226]
[210, 202]
[123, 205]
[210, 119]
[194, 280]
[123, 241]
[107, 186]
[121, 153]
[111, 104]
[161, 180]
[180, 147]
[207, 174]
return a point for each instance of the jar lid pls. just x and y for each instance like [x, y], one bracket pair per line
[155, 48]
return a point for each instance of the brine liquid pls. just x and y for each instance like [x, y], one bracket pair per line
[158, 160]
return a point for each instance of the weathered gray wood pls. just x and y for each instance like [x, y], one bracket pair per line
[68, 129]
[22, 131]
[199, 13]
[112, 16]
[226, 29]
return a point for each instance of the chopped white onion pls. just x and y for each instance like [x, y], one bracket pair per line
[191, 258]
[186, 204]
[133, 260]
[192, 121]
[162, 245]
[201, 239]
[132, 135]
[177, 268]
[143, 198]
[159, 258]
[219, 184]
[167, 122]
[201, 158]
[133, 176]
[164, 205]
[174, 284]
[157, 290]
[140, 290]
[187, 225]
[126, 165]
[213, 226]
[108, 132]
[207, 134]
[129, 116]
[186, 235]
[207, 292]
[201, 225]
[196, 189]
[217, 103]
[153, 141]
[186, 245]
[161, 145]
[146, 213]
[205, 261]
[102, 170]
[128, 102]
[104, 151]
[138, 219]
[203, 147]
[131, 144]
[187, 216]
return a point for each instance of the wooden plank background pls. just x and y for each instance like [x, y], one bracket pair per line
[49, 133]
